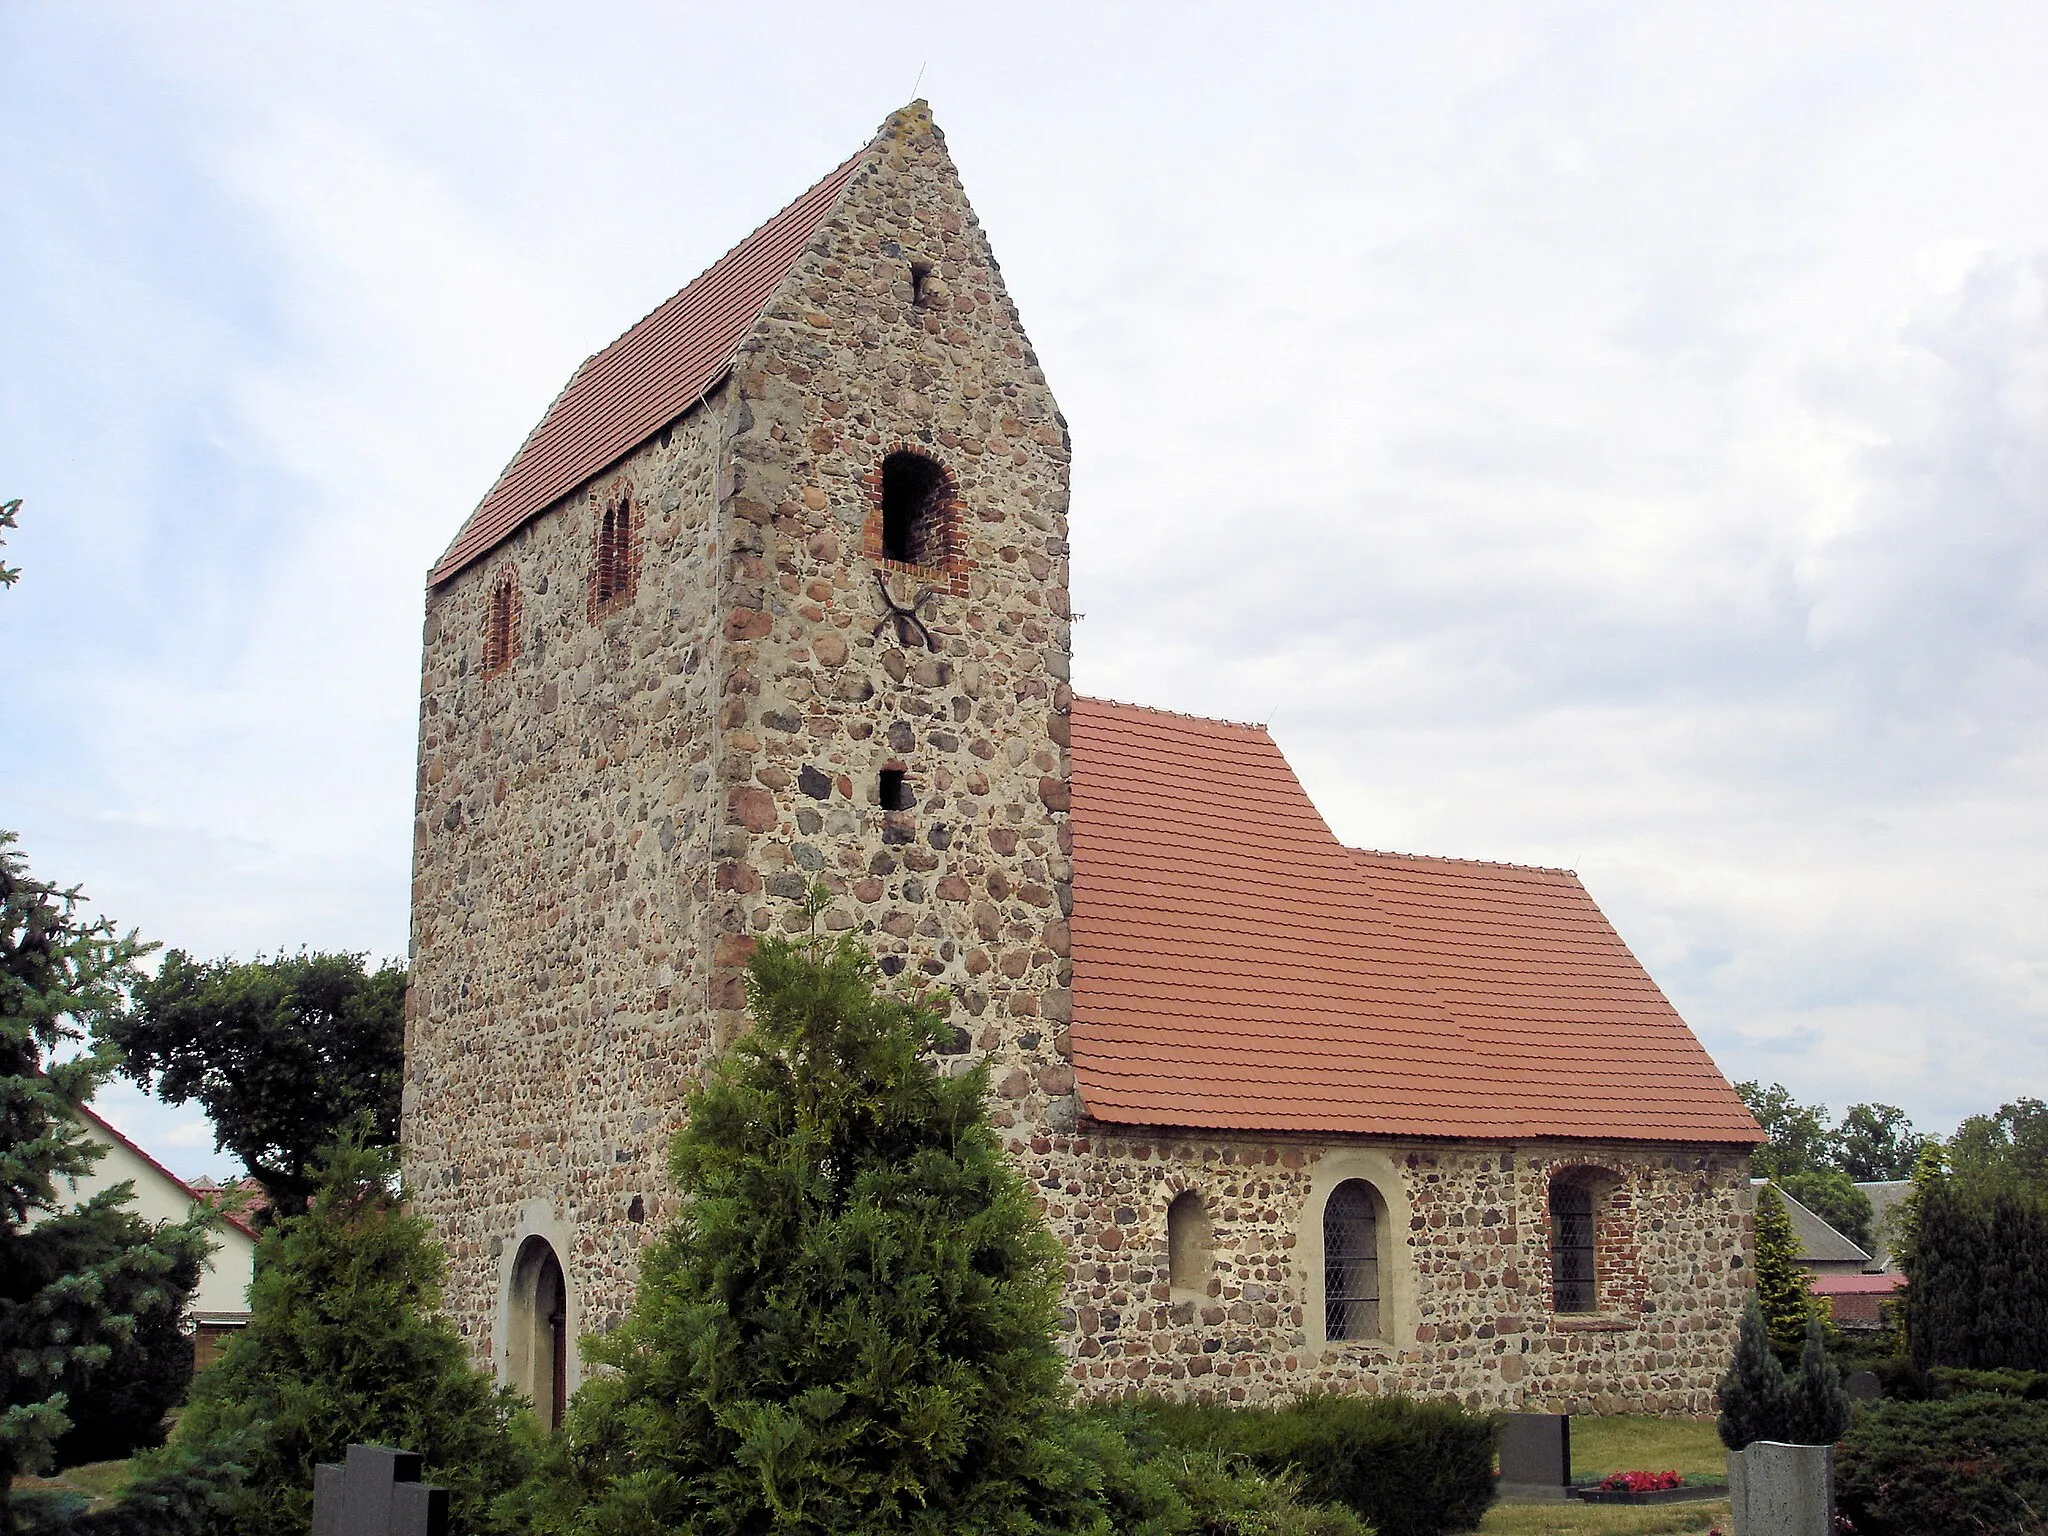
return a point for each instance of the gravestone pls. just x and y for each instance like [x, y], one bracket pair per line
[1864, 1386]
[1782, 1490]
[377, 1492]
[1535, 1457]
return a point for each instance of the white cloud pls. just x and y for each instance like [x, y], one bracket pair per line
[1604, 437]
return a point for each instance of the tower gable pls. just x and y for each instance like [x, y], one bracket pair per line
[892, 364]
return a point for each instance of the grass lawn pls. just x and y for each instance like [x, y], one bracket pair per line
[1576, 1519]
[1638, 1443]
[95, 1479]
[1627, 1443]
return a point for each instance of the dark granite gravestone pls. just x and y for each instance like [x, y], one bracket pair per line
[377, 1492]
[1535, 1457]
[1864, 1386]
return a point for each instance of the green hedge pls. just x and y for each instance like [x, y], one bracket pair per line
[1976, 1464]
[1403, 1467]
[1952, 1382]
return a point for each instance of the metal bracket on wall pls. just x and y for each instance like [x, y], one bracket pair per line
[904, 615]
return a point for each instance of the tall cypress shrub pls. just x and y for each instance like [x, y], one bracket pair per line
[2012, 1307]
[1977, 1278]
[1756, 1400]
[1780, 1283]
[848, 1327]
[1820, 1413]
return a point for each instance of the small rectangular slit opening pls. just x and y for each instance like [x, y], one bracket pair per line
[894, 791]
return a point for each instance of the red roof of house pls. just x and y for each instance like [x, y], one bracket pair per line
[1855, 1285]
[1237, 968]
[105, 1128]
[647, 378]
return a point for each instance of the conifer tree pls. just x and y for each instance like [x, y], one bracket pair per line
[89, 1293]
[1756, 1399]
[345, 1344]
[1942, 1248]
[1819, 1407]
[849, 1326]
[1780, 1283]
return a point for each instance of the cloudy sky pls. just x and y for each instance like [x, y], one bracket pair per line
[1601, 435]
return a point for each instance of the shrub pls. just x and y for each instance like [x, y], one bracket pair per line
[1948, 1381]
[1976, 1463]
[1820, 1406]
[1756, 1399]
[1151, 1487]
[1760, 1402]
[1406, 1468]
[178, 1496]
[849, 1325]
[344, 1344]
[1978, 1272]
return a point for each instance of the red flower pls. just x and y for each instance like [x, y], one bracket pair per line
[1640, 1482]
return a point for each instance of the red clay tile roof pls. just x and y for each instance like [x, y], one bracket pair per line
[1855, 1285]
[1237, 968]
[647, 378]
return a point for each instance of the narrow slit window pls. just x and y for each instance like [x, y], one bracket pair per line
[1351, 1262]
[914, 510]
[1572, 1257]
[920, 274]
[894, 790]
[612, 567]
[501, 628]
[1189, 1241]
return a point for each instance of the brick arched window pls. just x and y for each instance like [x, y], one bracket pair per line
[1574, 1255]
[1190, 1239]
[914, 519]
[501, 626]
[615, 559]
[1351, 1262]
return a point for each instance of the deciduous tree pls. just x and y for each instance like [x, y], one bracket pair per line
[1800, 1136]
[2005, 1152]
[1877, 1141]
[282, 1053]
[1829, 1194]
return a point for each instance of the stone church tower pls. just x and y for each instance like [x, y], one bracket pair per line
[776, 593]
[793, 604]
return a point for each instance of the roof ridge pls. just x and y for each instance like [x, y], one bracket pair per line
[1176, 714]
[837, 170]
[116, 1134]
[1446, 858]
[654, 372]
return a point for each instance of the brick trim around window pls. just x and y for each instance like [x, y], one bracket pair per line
[614, 553]
[501, 625]
[941, 560]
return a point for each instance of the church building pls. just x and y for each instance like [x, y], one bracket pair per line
[776, 592]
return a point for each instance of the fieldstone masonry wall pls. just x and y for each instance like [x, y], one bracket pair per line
[562, 886]
[1467, 1269]
[607, 824]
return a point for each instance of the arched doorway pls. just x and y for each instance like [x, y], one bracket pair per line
[538, 1331]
